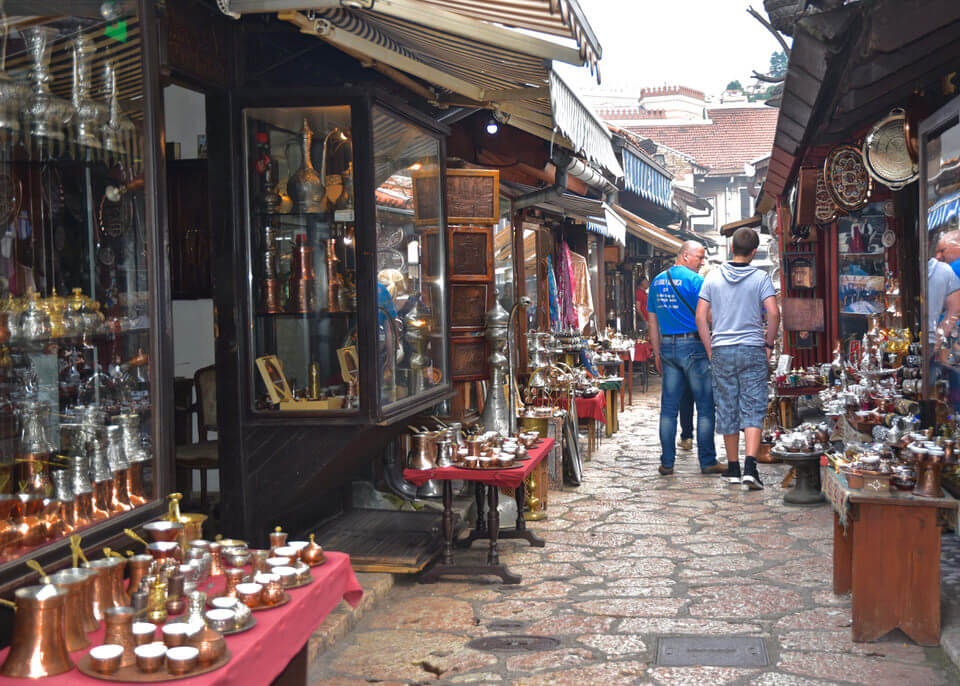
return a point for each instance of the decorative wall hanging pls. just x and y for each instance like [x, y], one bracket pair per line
[801, 270]
[803, 314]
[826, 210]
[885, 152]
[846, 177]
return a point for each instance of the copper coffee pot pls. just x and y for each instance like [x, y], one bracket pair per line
[76, 587]
[39, 646]
[119, 631]
[929, 470]
[100, 508]
[139, 567]
[9, 534]
[105, 585]
[26, 515]
[83, 576]
[51, 517]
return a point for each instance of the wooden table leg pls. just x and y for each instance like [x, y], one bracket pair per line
[896, 572]
[630, 380]
[842, 556]
[609, 424]
[480, 528]
[623, 386]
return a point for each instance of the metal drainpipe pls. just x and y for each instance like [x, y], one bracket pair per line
[544, 194]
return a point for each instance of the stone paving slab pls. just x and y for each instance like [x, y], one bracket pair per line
[632, 556]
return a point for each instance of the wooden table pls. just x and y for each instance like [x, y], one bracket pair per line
[488, 484]
[806, 481]
[888, 557]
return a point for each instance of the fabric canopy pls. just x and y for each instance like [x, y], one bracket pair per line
[642, 179]
[648, 232]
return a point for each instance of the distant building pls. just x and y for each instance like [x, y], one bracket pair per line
[709, 148]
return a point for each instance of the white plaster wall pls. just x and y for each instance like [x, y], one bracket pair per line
[184, 114]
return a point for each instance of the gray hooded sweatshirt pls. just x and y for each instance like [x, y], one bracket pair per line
[736, 293]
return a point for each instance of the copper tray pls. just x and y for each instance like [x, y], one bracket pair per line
[302, 583]
[132, 674]
[284, 599]
[322, 561]
[249, 624]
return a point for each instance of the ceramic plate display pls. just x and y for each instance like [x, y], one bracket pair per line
[885, 152]
[846, 177]
[132, 673]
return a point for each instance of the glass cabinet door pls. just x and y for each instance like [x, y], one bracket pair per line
[300, 200]
[75, 386]
[411, 261]
[941, 162]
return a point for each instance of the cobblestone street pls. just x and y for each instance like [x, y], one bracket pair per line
[632, 556]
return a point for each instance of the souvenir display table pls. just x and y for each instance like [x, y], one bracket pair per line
[592, 410]
[491, 481]
[275, 649]
[886, 552]
[611, 387]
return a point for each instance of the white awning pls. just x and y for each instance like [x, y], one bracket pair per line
[648, 232]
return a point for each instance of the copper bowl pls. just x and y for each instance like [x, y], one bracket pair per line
[143, 633]
[150, 657]
[249, 594]
[163, 530]
[162, 550]
[182, 659]
[106, 658]
[235, 557]
[175, 634]
[221, 619]
[210, 644]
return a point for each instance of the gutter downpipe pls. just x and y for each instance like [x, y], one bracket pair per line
[544, 194]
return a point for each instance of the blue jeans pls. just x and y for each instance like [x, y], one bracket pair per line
[686, 415]
[686, 368]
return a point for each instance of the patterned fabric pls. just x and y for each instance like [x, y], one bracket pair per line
[554, 296]
[582, 297]
[739, 387]
[568, 310]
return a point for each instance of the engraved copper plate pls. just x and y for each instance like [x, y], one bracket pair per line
[468, 358]
[846, 177]
[469, 254]
[826, 210]
[471, 198]
[885, 152]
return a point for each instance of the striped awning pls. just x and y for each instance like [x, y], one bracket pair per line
[642, 179]
[613, 226]
[944, 213]
[473, 72]
[648, 232]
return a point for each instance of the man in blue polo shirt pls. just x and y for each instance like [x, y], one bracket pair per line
[680, 357]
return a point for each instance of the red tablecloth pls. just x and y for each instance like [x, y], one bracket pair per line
[260, 654]
[642, 351]
[504, 478]
[589, 408]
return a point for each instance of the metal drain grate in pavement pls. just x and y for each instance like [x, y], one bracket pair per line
[697, 651]
[528, 644]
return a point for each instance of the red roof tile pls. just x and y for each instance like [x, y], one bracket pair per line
[735, 136]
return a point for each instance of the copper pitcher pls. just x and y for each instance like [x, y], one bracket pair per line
[119, 631]
[84, 603]
[73, 616]
[139, 567]
[134, 478]
[39, 646]
[105, 585]
[929, 469]
[26, 515]
[51, 518]
[101, 500]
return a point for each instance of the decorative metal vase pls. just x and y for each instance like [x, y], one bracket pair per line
[119, 133]
[88, 114]
[46, 113]
[495, 415]
[305, 187]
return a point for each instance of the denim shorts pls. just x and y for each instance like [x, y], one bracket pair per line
[739, 387]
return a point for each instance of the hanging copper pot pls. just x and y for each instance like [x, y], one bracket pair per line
[39, 646]
[73, 616]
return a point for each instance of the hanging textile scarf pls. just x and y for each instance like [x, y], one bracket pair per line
[554, 297]
[568, 311]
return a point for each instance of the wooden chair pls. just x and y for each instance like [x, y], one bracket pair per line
[203, 455]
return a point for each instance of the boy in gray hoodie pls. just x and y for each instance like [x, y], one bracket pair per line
[735, 298]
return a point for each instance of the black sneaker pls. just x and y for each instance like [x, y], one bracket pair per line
[751, 478]
[732, 475]
[665, 471]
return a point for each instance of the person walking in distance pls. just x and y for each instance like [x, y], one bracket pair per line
[735, 298]
[680, 357]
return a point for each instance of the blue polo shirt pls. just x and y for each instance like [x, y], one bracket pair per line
[672, 315]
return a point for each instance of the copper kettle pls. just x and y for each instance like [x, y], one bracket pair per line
[39, 646]
[76, 586]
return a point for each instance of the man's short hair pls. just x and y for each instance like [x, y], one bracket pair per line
[745, 241]
[689, 246]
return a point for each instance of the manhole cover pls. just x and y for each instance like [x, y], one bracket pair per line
[695, 651]
[530, 644]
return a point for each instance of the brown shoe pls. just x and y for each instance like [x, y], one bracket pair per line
[714, 469]
[665, 471]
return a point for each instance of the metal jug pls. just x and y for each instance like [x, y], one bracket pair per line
[39, 646]
[424, 452]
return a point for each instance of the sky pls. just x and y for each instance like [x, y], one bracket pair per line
[703, 44]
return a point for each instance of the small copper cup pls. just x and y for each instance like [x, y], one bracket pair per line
[258, 561]
[273, 592]
[250, 594]
[106, 658]
[234, 576]
[175, 634]
[144, 633]
[150, 657]
[182, 659]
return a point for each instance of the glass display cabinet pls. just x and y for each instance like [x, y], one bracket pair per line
[346, 261]
[939, 144]
[77, 374]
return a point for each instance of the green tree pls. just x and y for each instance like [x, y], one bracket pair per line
[734, 86]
